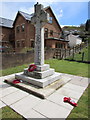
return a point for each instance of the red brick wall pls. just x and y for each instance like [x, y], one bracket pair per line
[54, 26]
[5, 35]
[30, 33]
[27, 35]
[20, 35]
[50, 43]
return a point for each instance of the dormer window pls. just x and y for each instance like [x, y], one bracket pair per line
[23, 27]
[51, 32]
[50, 20]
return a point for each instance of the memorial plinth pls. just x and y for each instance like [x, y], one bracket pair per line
[43, 75]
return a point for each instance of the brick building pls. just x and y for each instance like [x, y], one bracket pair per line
[6, 32]
[22, 32]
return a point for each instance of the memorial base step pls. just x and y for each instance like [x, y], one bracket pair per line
[42, 67]
[39, 82]
[39, 74]
[37, 91]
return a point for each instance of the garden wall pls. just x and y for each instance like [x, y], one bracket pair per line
[15, 59]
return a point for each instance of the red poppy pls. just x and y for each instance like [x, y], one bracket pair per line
[69, 100]
[32, 67]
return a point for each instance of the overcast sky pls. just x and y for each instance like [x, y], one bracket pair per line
[67, 13]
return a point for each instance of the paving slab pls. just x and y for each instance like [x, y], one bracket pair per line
[2, 104]
[68, 75]
[4, 86]
[74, 87]
[26, 104]
[52, 110]
[53, 106]
[7, 91]
[84, 82]
[1, 81]
[58, 99]
[33, 114]
[1, 78]
[69, 93]
[41, 92]
[14, 97]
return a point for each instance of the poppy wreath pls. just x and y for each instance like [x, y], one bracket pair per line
[32, 67]
[69, 100]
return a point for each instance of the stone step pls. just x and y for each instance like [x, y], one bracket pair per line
[38, 74]
[39, 82]
[43, 67]
[40, 92]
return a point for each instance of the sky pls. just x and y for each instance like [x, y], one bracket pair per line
[66, 12]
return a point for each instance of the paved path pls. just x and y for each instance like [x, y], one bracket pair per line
[30, 106]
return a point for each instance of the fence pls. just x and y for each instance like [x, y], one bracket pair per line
[15, 59]
[64, 53]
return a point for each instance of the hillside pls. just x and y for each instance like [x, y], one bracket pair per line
[73, 28]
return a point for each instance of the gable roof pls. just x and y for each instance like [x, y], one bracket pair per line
[6, 22]
[9, 23]
[26, 15]
[48, 7]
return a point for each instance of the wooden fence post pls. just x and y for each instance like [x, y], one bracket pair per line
[75, 49]
[69, 51]
[73, 52]
[80, 47]
[82, 56]
[60, 53]
[65, 53]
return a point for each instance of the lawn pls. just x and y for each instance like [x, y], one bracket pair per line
[12, 70]
[63, 66]
[9, 114]
[69, 67]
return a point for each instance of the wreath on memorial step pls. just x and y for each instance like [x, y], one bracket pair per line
[32, 67]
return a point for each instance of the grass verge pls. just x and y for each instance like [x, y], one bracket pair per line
[9, 114]
[82, 111]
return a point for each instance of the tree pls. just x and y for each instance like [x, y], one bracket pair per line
[87, 26]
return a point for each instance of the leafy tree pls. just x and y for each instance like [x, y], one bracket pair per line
[87, 27]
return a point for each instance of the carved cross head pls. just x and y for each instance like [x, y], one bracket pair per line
[40, 15]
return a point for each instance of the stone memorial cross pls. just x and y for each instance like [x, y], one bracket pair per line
[39, 19]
